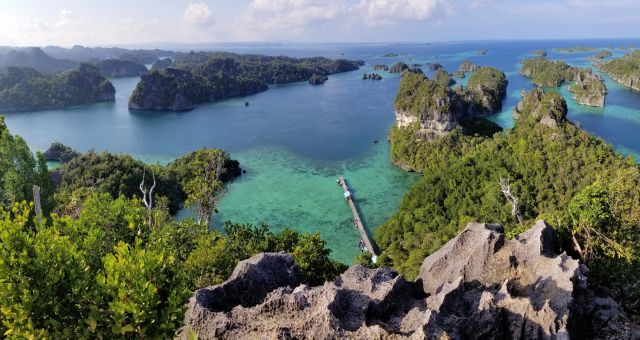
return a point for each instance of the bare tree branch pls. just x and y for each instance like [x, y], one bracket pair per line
[505, 187]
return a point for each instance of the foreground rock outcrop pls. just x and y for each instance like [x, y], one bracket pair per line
[478, 286]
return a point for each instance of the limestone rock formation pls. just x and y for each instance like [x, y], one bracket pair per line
[435, 66]
[380, 67]
[589, 89]
[468, 66]
[398, 67]
[438, 109]
[318, 79]
[549, 109]
[371, 76]
[478, 286]
[625, 70]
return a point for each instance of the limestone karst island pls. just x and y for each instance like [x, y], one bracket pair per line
[306, 169]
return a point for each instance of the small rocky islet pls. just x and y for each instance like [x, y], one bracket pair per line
[625, 70]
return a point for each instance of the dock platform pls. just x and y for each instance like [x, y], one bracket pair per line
[356, 218]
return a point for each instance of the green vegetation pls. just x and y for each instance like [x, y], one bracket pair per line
[575, 49]
[206, 77]
[539, 53]
[418, 94]
[603, 54]
[120, 68]
[60, 153]
[20, 169]
[113, 267]
[121, 175]
[25, 89]
[547, 72]
[574, 181]
[625, 70]
[488, 81]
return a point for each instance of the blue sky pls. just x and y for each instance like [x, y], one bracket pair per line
[114, 22]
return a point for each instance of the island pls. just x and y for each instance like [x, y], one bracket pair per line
[380, 67]
[390, 55]
[433, 108]
[118, 68]
[625, 70]
[202, 77]
[26, 89]
[398, 67]
[434, 66]
[371, 76]
[588, 88]
[483, 52]
[539, 53]
[603, 54]
[467, 66]
[575, 49]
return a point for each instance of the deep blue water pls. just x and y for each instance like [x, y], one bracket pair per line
[295, 139]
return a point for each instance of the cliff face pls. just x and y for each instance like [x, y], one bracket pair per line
[439, 109]
[549, 109]
[625, 70]
[589, 89]
[478, 286]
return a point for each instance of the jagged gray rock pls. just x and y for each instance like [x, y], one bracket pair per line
[478, 286]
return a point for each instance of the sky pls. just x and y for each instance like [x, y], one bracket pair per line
[130, 22]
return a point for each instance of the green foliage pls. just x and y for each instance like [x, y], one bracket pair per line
[114, 272]
[547, 72]
[60, 153]
[539, 53]
[25, 89]
[20, 170]
[546, 167]
[603, 54]
[419, 95]
[121, 175]
[625, 67]
[207, 77]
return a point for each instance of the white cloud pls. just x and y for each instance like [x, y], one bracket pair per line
[198, 14]
[399, 10]
[292, 15]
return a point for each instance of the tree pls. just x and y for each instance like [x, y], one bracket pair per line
[206, 188]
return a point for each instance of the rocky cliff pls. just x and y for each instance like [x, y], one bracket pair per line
[477, 286]
[589, 89]
[438, 108]
[548, 109]
[625, 70]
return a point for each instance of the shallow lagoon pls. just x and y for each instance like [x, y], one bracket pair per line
[294, 140]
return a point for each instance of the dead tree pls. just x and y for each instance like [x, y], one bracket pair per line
[505, 187]
[36, 200]
[147, 195]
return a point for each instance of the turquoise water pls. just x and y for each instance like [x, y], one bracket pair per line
[294, 140]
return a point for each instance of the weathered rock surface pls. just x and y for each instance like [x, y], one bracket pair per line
[371, 76]
[380, 67]
[625, 70]
[478, 286]
[549, 109]
[439, 109]
[468, 66]
[589, 89]
[398, 67]
[318, 79]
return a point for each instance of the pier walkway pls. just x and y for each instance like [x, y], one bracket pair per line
[356, 218]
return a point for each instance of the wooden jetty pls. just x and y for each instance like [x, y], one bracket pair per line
[356, 218]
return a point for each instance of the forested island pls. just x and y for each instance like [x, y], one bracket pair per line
[202, 77]
[26, 89]
[588, 88]
[431, 107]
[543, 168]
[625, 70]
[116, 68]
